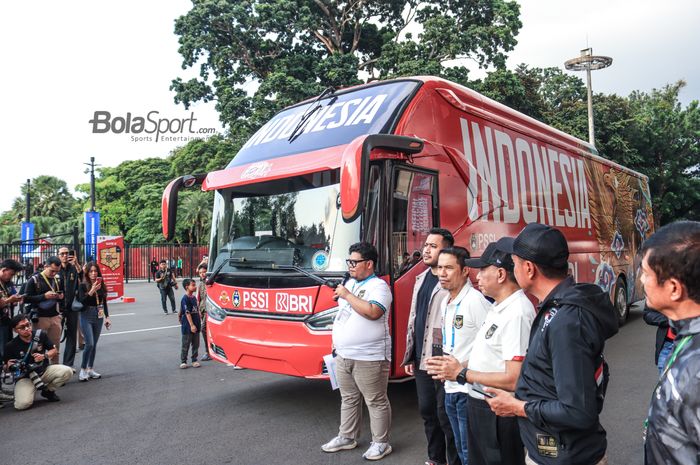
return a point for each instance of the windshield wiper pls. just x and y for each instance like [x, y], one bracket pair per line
[270, 265]
[308, 113]
[239, 262]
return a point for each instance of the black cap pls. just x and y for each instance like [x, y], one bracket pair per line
[496, 254]
[541, 244]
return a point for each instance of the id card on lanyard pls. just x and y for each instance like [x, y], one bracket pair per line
[57, 290]
[450, 350]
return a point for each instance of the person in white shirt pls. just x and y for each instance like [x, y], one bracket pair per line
[362, 345]
[464, 311]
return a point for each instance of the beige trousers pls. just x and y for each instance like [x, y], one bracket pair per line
[52, 327]
[54, 377]
[529, 461]
[358, 379]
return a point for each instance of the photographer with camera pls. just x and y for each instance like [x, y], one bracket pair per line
[9, 298]
[70, 275]
[27, 357]
[166, 281]
[44, 293]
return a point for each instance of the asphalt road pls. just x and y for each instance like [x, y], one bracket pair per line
[145, 410]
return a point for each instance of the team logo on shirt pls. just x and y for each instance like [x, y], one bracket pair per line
[361, 294]
[459, 321]
[491, 330]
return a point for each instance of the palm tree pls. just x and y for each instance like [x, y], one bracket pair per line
[196, 215]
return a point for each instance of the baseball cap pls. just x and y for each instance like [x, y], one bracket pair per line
[495, 254]
[541, 244]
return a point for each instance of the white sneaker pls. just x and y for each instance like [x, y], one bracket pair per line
[83, 376]
[339, 443]
[94, 375]
[377, 450]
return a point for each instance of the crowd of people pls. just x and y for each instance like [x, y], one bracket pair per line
[498, 381]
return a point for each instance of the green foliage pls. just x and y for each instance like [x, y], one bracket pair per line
[292, 50]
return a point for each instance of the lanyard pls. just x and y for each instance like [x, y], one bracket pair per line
[49, 284]
[670, 362]
[444, 337]
[361, 283]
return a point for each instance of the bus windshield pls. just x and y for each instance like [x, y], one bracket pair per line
[271, 224]
[334, 120]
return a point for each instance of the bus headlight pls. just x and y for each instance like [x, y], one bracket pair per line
[214, 311]
[322, 321]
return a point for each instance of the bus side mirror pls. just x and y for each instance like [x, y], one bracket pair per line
[354, 168]
[169, 203]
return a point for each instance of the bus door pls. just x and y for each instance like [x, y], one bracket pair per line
[414, 211]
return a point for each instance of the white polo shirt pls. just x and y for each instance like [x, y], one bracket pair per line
[462, 318]
[504, 336]
[356, 337]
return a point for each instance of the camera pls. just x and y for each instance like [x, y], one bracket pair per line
[22, 368]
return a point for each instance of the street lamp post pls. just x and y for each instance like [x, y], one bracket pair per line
[588, 62]
[26, 217]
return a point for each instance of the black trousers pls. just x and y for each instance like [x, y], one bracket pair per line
[438, 432]
[189, 340]
[493, 440]
[71, 319]
[170, 294]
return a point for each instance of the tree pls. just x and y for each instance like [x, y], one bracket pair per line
[667, 139]
[294, 49]
[195, 215]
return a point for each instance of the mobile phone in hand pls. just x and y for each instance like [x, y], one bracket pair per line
[98, 279]
[478, 387]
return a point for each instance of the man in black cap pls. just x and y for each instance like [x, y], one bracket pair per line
[562, 383]
[495, 360]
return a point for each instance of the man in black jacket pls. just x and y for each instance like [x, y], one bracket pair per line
[562, 382]
[70, 275]
[44, 293]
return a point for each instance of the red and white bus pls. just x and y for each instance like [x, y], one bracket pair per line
[385, 162]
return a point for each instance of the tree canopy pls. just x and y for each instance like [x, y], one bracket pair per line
[293, 49]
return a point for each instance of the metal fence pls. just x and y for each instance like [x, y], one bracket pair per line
[182, 258]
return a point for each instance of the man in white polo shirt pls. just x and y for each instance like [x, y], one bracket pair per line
[496, 358]
[362, 343]
[464, 312]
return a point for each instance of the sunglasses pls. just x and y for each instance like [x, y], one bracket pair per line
[353, 263]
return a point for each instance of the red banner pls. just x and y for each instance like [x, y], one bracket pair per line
[110, 253]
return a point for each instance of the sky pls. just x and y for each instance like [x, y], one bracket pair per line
[64, 61]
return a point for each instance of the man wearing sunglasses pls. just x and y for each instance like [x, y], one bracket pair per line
[362, 345]
[33, 349]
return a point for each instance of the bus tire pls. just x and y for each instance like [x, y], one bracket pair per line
[620, 301]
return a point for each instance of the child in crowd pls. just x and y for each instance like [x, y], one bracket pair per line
[190, 323]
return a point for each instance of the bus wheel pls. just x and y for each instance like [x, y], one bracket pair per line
[620, 302]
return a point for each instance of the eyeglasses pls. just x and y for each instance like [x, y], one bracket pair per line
[23, 327]
[62, 253]
[353, 263]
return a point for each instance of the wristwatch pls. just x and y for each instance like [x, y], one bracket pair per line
[462, 376]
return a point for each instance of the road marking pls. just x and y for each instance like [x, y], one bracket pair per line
[122, 314]
[139, 330]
